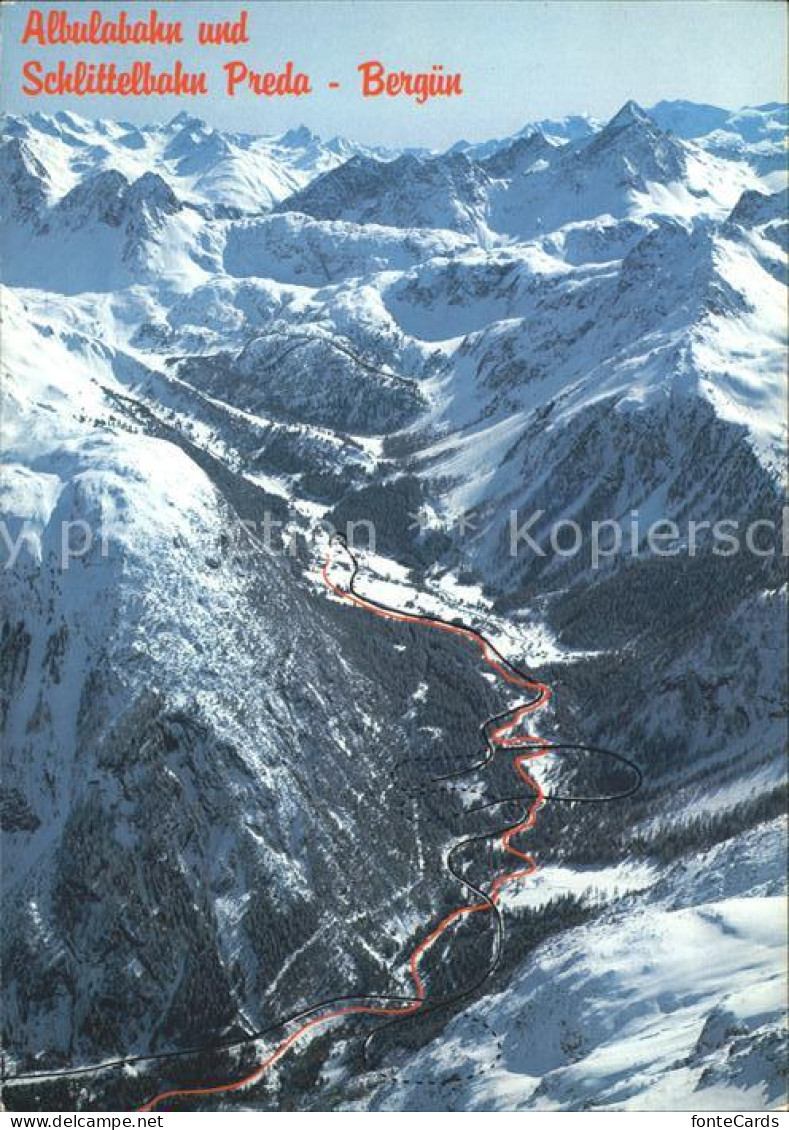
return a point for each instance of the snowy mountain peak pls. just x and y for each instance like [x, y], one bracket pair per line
[755, 208]
[19, 156]
[688, 119]
[630, 114]
[630, 129]
[71, 121]
[185, 120]
[45, 123]
[519, 156]
[109, 199]
[196, 148]
[299, 135]
[222, 170]
[24, 182]
[153, 194]
[411, 191]
[635, 149]
[99, 199]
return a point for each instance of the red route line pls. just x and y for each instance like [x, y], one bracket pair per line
[501, 737]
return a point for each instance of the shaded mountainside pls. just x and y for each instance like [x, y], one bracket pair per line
[194, 749]
[527, 187]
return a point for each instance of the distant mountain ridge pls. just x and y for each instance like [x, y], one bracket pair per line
[253, 173]
[528, 185]
[208, 166]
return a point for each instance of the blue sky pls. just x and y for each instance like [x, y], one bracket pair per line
[520, 60]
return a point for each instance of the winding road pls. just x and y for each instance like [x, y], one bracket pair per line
[499, 735]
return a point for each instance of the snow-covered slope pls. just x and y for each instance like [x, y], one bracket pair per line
[104, 234]
[237, 172]
[756, 134]
[630, 168]
[623, 1015]
[409, 192]
[186, 819]
[219, 801]
[572, 127]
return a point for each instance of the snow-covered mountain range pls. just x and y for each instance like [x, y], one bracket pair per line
[218, 801]
[240, 172]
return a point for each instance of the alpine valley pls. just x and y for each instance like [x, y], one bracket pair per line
[228, 794]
